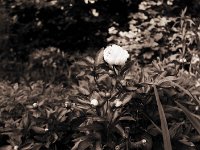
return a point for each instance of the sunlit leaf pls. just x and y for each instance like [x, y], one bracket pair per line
[38, 130]
[186, 142]
[121, 131]
[126, 118]
[99, 57]
[62, 114]
[83, 91]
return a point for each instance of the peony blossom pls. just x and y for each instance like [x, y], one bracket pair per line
[117, 103]
[94, 102]
[115, 55]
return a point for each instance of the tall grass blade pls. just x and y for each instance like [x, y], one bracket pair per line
[164, 127]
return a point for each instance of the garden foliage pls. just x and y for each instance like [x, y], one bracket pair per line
[105, 107]
[142, 92]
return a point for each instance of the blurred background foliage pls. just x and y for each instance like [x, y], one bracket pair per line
[83, 26]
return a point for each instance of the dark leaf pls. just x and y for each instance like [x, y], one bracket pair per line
[193, 119]
[127, 98]
[121, 131]
[185, 91]
[164, 126]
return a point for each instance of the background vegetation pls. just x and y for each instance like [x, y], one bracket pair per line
[51, 68]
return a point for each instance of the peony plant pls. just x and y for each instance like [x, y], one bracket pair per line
[118, 105]
[125, 106]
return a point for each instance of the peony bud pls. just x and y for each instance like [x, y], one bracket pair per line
[94, 102]
[35, 105]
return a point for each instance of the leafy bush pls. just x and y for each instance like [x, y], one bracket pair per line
[151, 100]
[107, 107]
[132, 103]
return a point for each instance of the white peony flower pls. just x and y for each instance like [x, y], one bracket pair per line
[94, 102]
[117, 103]
[115, 55]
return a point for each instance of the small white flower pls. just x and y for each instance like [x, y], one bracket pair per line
[115, 55]
[182, 60]
[112, 30]
[15, 147]
[46, 129]
[94, 102]
[163, 21]
[144, 141]
[170, 2]
[67, 104]
[62, 7]
[118, 103]
[143, 6]
[95, 13]
[195, 59]
[35, 105]
[53, 2]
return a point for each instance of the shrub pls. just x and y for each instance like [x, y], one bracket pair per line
[106, 106]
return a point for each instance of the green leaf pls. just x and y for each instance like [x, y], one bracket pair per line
[83, 91]
[121, 131]
[186, 92]
[192, 117]
[25, 121]
[127, 118]
[97, 126]
[81, 144]
[99, 57]
[164, 126]
[62, 114]
[38, 130]
[127, 98]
